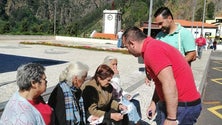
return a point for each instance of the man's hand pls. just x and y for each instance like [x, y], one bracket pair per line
[151, 110]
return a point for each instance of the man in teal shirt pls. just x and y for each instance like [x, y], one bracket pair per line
[174, 34]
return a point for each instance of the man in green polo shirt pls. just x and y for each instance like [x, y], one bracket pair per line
[175, 34]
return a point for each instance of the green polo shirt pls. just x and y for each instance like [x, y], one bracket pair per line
[181, 34]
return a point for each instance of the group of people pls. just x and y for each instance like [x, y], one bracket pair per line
[73, 101]
[212, 44]
[101, 100]
[202, 43]
[167, 61]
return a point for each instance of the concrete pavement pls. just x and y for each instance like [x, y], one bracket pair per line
[132, 79]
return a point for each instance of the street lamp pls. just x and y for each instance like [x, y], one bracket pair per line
[149, 20]
[194, 8]
[204, 9]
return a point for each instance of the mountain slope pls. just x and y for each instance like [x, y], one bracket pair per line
[81, 17]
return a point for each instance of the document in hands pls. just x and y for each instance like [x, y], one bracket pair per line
[95, 122]
[129, 96]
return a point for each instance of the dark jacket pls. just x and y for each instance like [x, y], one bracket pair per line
[57, 102]
[98, 101]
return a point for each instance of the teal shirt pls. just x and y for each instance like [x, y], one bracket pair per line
[186, 39]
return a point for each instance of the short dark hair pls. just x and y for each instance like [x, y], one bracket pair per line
[134, 33]
[164, 11]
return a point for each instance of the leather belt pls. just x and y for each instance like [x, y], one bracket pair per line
[192, 103]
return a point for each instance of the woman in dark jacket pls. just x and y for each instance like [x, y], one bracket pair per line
[66, 99]
[98, 100]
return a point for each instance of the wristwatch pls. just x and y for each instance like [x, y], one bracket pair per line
[170, 119]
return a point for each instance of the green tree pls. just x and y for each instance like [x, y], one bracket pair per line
[3, 15]
[210, 10]
[199, 14]
[24, 25]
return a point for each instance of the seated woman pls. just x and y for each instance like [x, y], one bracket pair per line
[133, 105]
[97, 96]
[66, 99]
[26, 106]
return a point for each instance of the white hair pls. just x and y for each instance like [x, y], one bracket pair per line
[107, 60]
[74, 69]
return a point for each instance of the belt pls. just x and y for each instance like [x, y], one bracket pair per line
[192, 103]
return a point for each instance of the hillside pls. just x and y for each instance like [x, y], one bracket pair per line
[81, 17]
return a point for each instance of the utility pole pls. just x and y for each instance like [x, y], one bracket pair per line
[150, 17]
[193, 14]
[55, 7]
[204, 9]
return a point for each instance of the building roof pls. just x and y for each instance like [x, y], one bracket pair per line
[186, 23]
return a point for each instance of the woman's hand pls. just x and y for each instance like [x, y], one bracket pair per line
[116, 116]
[93, 118]
[122, 107]
[115, 70]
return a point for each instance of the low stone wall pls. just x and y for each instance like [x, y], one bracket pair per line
[63, 38]
[57, 38]
[26, 37]
[90, 40]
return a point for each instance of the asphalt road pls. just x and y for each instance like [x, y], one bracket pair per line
[212, 94]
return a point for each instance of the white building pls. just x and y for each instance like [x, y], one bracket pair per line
[196, 27]
[218, 22]
[111, 21]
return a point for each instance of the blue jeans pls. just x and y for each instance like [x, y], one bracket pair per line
[199, 51]
[185, 115]
[119, 43]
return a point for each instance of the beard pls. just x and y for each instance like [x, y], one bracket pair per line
[165, 29]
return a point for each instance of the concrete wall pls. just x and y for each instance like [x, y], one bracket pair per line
[89, 40]
[26, 37]
[63, 38]
[57, 38]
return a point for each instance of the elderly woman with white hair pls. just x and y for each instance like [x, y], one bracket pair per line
[66, 98]
[133, 105]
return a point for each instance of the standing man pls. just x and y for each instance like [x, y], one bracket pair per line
[119, 38]
[201, 42]
[174, 34]
[176, 98]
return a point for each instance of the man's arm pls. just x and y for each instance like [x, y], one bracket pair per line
[190, 56]
[189, 45]
[169, 88]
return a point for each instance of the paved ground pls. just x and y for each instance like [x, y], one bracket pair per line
[132, 78]
[211, 97]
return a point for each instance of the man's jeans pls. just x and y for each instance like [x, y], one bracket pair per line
[119, 43]
[199, 51]
[185, 115]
